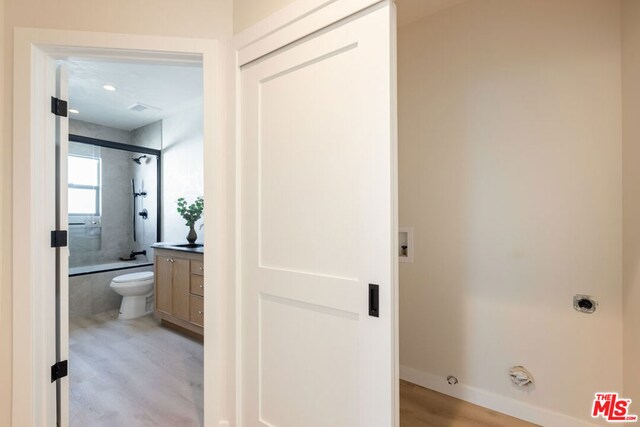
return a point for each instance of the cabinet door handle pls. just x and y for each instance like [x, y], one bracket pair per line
[202, 286]
[201, 268]
[200, 312]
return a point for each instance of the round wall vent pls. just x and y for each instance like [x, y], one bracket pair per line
[585, 304]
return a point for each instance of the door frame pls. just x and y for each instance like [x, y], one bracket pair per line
[31, 396]
[286, 26]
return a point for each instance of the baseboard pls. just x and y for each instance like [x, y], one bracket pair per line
[506, 405]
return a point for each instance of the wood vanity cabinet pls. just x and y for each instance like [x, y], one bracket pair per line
[179, 288]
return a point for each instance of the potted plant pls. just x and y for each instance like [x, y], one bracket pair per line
[191, 213]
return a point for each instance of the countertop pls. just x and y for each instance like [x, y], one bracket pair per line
[184, 247]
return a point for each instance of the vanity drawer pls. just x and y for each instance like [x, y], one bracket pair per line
[197, 284]
[197, 267]
[196, 310]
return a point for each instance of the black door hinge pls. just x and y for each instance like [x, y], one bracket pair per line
[59, 239]
[58, 107]
[59, 370]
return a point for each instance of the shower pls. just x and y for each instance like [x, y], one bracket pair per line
[138, 160]
[114, 206]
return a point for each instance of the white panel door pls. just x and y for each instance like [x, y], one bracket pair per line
[317, 203]
[62, 254]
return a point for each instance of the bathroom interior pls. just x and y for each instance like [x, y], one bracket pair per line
[136, 284]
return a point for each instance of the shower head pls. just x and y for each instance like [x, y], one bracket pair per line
[138, 160]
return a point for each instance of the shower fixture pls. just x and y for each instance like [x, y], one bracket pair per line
[132, 256]
[135, 195]
[138, 160]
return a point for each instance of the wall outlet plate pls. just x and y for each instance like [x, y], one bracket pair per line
[405, 244]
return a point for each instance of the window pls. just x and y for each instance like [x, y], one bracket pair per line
[84, 185]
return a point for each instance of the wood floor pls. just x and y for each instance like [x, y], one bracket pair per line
[421, 407]
[135, 373]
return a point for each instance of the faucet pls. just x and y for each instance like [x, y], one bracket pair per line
[133, 255]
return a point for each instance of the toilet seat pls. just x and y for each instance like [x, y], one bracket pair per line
[141, 276]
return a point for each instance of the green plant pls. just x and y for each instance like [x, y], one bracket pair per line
[190, 213]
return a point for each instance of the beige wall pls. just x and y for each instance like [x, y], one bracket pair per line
[248, 12]
[510, 172]
[5, 227]
[188, 18]
[631, 185]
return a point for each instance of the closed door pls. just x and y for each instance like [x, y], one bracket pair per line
[317, 225]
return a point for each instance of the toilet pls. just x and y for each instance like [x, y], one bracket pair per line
[135, 289]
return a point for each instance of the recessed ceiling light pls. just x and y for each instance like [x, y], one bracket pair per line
[109, 88]
[74, 111]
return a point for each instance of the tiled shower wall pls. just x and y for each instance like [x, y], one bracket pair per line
[146, 179]
[107, 237]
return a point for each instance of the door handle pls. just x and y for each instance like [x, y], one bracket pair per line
[374, 300]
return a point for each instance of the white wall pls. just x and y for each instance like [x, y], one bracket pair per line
[182, 170]
[631, 184]
[211, 19]
[510, 172]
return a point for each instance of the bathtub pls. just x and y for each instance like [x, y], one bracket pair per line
[109, 266]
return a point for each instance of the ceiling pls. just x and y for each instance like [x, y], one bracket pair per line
[412, 10]
[162, 89]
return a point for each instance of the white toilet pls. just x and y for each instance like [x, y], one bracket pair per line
[135, 289]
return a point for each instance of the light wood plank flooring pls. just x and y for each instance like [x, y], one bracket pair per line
[133, 373]
[421, 407]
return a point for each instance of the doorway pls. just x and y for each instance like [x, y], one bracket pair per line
[34, 165]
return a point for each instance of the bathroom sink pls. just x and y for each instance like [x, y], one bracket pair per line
[189, 245]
